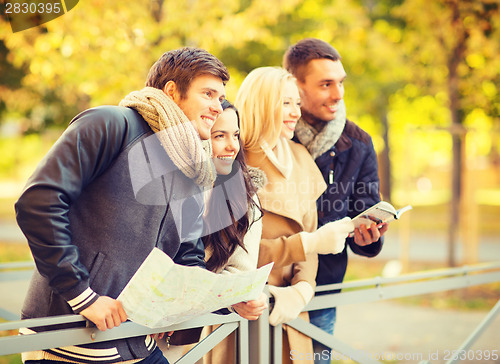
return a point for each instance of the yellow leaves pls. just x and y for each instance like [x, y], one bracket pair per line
[123, 46]
[489, 89]
[416, 130]
[475, 60]
[67, 49]
[479, 140]
[42, 45]
[310, 9]
[372, 126]
[47, 70]
[358, 35]
[88, 87]
[392, 33]
[478, 119]
[138, 39]
[410, 90]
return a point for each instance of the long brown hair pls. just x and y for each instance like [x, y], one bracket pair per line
[238, 200]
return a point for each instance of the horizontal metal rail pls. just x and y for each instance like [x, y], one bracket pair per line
[17, 265]
[404, 286]
[436, 273]
[256, 340]
[76, 336]
[378, 289]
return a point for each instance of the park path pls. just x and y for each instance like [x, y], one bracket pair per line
[410, 334]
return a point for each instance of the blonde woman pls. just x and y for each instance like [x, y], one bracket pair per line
[269, 105]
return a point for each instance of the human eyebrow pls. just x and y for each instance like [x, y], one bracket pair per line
[342, 79]
[225, 132]
[213, 92]
[330, 80]
[219, 131]
[208, 90]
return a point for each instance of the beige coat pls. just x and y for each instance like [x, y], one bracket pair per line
[289, 207]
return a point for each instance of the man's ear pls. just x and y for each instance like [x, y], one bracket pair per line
[170, 89]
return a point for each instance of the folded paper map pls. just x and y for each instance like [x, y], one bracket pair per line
[162, 293]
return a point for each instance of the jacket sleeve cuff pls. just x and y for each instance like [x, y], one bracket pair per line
[307, 243]
[223, 311]
[305, 290]
[83, 300]
[369, 251]
[282, 251]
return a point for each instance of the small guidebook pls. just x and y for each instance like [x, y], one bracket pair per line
[380, 213]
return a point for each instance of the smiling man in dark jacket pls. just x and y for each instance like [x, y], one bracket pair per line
[120, 181]
[345, 155]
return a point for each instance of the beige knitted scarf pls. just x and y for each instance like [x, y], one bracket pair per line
[176, 133]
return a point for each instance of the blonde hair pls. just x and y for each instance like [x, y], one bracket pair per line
[260, 104]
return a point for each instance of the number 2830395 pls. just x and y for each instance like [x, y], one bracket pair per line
[33, 8]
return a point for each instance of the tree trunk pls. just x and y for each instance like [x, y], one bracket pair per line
[455, 57]
[456, 190]
[385, 163]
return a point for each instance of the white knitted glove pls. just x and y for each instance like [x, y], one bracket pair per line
[289, 301]
[328, 239]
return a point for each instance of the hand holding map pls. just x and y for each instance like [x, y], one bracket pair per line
[162, 293]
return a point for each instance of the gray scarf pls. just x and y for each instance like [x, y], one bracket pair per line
[319, 142]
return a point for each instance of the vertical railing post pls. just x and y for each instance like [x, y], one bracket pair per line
[259, 337]
[243, 342]
[277, 343]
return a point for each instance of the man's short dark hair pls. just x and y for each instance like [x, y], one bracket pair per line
[182, 66]
[299, 55]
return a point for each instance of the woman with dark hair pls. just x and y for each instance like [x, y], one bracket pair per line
[233, 224]
[231, 240]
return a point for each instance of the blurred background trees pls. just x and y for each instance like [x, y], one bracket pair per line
[422, 79]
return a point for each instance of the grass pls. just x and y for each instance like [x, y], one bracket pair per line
[11, 359]
[14, 252]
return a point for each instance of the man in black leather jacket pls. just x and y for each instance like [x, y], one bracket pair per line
[110, 190]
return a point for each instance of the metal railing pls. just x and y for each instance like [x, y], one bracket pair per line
[378, 289]
[257, 341]
[76, 336]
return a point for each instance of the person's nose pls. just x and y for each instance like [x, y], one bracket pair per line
[295, 111]
[216, 107]
[337, 92]
[232, 145]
